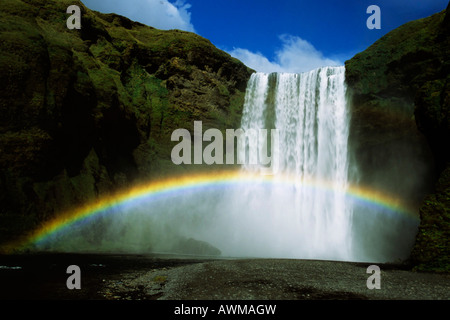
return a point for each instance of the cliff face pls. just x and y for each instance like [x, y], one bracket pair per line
[84, 112]
[401, 115]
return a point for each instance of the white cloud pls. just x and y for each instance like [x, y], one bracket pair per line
[160, 14]
[256, 61]
[296, 55]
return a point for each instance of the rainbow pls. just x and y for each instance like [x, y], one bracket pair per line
[200, 181]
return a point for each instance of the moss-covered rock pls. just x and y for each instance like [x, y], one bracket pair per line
[432, 249]
[84, 112]
[401, 100]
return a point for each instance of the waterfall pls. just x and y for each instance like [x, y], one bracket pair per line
[306, 209]
[309, 111]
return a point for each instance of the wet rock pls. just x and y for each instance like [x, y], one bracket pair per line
[195, 247]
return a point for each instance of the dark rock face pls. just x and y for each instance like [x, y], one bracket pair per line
[85, 112]
[400, 125]
[431, 251]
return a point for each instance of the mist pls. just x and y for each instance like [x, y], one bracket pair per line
[303, 219]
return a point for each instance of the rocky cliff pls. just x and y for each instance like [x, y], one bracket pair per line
[401, 126]
[84, 112]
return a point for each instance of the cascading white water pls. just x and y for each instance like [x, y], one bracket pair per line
[309, 111]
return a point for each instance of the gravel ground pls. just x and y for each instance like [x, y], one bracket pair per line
[275, 279]
[155, 277]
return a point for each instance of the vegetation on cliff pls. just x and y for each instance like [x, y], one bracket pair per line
[84, 112]
[401, 93]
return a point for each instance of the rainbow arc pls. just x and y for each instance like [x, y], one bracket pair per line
[153, 190]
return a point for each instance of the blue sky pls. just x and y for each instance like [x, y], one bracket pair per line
[281, 35]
